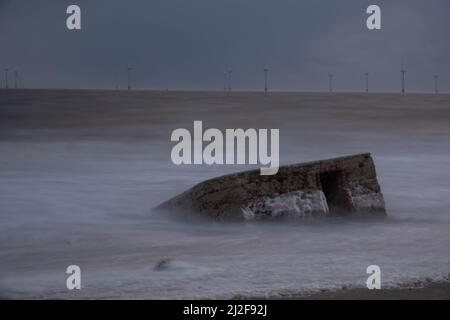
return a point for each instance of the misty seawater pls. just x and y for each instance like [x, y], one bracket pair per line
[81, 171]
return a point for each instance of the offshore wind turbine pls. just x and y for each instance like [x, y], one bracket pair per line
[16, 78]
[266, 75]
[367, 81]
[436, 84]
[129, 77]
[330, 82]
[116, 79]
[229, 79]
[403, 71]
[225, 77]
[6, 78]
[403, 80]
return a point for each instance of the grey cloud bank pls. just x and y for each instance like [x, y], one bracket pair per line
[189, 44]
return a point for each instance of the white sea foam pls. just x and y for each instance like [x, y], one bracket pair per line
[299, 204]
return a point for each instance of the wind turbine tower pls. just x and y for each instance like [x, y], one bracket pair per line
[403, 71]
[6, 78]
[266, 75]
[225, 77]
[16, 78]
[129, 77]
[229, 80]
[367, 81]
[330, 82]
[116, 79]
[436, 84]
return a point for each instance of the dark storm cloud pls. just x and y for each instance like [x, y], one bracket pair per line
[188, 44]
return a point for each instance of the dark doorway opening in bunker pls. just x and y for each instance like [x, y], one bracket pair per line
[335, 191]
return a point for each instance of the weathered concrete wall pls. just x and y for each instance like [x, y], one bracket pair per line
[346, 185]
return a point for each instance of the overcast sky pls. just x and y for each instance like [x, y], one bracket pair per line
[188, 44]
